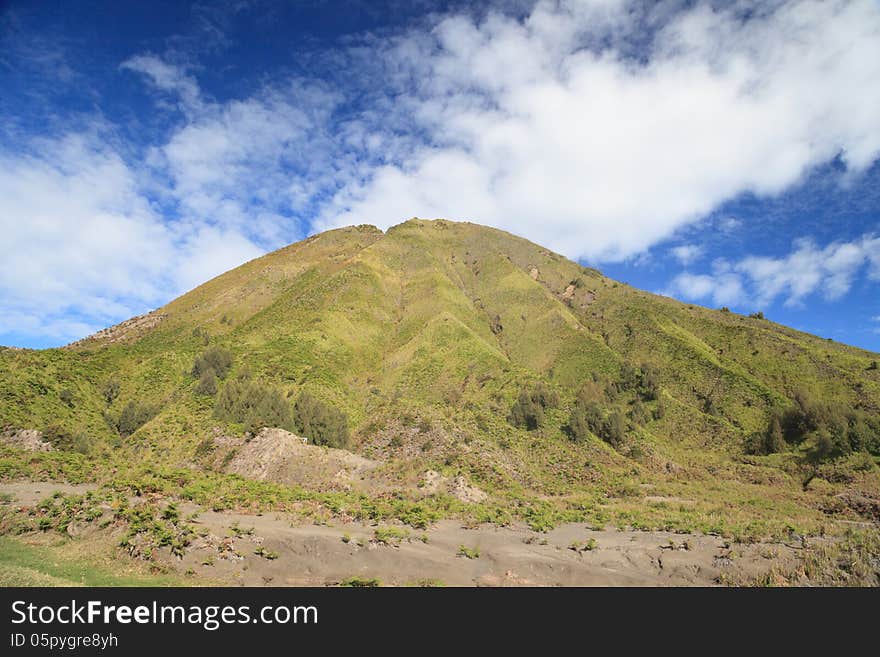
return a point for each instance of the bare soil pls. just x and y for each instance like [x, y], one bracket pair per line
[257, 550]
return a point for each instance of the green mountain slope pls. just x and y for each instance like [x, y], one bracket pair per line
[426, 336]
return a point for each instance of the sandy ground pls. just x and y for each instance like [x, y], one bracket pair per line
[279, 553]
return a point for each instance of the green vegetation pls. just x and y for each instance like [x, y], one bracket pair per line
[266, 554]
[254, 405]
[320, 422]
[132, 417]
[22, 564]
[390, 535]
[527, 411]
[468, 552]
[563, 396]
[361, 582]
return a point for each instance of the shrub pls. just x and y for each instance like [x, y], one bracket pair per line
[590, 418]
[757, 315]
[110, 391]
[63, 439]
[770, 441]
[216, 359]
[361, 582]
[469, 553]
[66, 397]
[133, 416]
[207, 384]
[320, 422]
[545, 396]
[831, 430]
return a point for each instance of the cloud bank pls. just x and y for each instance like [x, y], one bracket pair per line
[550, 127]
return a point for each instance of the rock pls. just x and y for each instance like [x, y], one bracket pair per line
[433, 482]
[30, 440]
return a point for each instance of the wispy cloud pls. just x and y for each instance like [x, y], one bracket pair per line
[807, 269]
[687, 253]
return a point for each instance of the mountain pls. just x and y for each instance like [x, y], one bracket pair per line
[548, 389]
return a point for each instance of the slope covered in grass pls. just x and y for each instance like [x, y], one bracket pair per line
[425, 336]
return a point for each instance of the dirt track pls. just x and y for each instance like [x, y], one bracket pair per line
[570, 555]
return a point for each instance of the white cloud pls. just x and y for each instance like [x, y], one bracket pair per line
[170, 79]
[534, 128]
[729, 224]
[566, 126]
[722, 289]
[807, 269]
[83, 247]
[687, 253]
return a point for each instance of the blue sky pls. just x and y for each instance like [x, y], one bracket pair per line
[722, 153]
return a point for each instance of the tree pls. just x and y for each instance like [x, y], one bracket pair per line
[320, 422]
[649, 382]
[253, 405]
[133, 416]
[526, 412]
[770, 441]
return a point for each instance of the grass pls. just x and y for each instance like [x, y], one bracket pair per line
[468, 552]
[361, 582]
[443, 323]
[390, 535]
[23, 564]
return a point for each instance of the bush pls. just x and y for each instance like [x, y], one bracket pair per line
[63, 439]
[832, 430]
[110, 391]
[207, 384]
[757, 315]
[216, 359]
[590, 418]
[320, 422]
[770, 441]
[545, 396]
[132, 417]
[66, 396]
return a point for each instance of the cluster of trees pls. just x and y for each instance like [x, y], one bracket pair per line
[257, 405]
[589, 417]
[832, 430]
[320, 422]
[606, 408]
[609, 409]
[214, 364]
[527, 411]
[253, 404]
